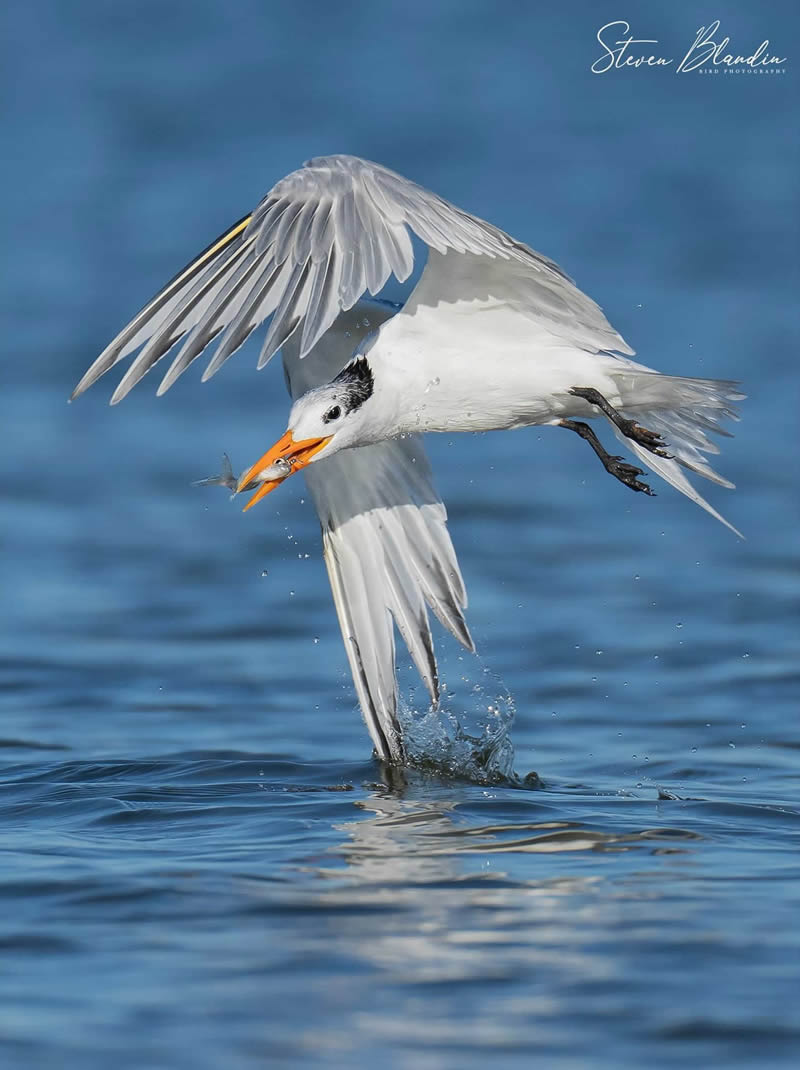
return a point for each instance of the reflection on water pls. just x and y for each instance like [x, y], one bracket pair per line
[429, 899]
[432, 859]
[427, 913]
[409, 841]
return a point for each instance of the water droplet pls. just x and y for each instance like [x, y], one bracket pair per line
[291, 594]
[731, 744]
[745, 655]
[264, 573]
[598, 651]
[316, 640]
[694, 750]
[679, 625]
[637, 577]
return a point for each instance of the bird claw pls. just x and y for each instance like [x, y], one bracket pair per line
[651, 440]
[627, 473]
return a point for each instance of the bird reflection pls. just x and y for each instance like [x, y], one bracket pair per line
[467, 900]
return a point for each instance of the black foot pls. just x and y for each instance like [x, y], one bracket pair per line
[620, 469]
[649, 439]
[627, 473]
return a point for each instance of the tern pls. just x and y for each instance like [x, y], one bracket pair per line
[493, 336]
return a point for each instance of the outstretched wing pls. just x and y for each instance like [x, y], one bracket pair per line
[389, 558]
[385, 541]
[321, 238]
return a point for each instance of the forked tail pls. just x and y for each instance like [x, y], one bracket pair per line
[683, 411]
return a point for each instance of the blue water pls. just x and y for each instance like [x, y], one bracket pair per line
[201, 866]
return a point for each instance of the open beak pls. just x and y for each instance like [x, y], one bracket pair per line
[289, 455]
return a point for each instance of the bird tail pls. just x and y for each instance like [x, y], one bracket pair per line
[683, 411]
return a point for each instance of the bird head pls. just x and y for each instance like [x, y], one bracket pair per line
[323, 421]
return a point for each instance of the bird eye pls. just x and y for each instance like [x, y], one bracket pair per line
[332, 414]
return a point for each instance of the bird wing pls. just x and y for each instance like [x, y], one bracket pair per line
[385, 541]
[321, 238]
[389, 558]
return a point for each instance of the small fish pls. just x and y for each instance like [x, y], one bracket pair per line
[279, 469]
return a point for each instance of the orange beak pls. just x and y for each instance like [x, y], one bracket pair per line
[294, 454]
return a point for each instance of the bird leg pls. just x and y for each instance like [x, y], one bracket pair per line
[649, 439]
[625, 473]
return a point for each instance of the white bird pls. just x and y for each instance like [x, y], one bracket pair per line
[494, 335]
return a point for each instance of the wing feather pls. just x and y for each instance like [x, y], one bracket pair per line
[342, 225]
[248, 317]
[222, 305]
[151, 318]
[321, 299]
[389, 557]
[321, 231]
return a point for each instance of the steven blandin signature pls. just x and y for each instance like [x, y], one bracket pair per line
[707, 54]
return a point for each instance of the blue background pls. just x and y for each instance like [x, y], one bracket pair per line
[181, 886]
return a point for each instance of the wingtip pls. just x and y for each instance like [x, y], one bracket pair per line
[735, 531]
[432, 685]
[79, 389]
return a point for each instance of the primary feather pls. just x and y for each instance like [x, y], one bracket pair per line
[320, 239]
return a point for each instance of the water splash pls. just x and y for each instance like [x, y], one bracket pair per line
[468, 739]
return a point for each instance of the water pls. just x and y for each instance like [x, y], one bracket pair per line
[201, 866]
